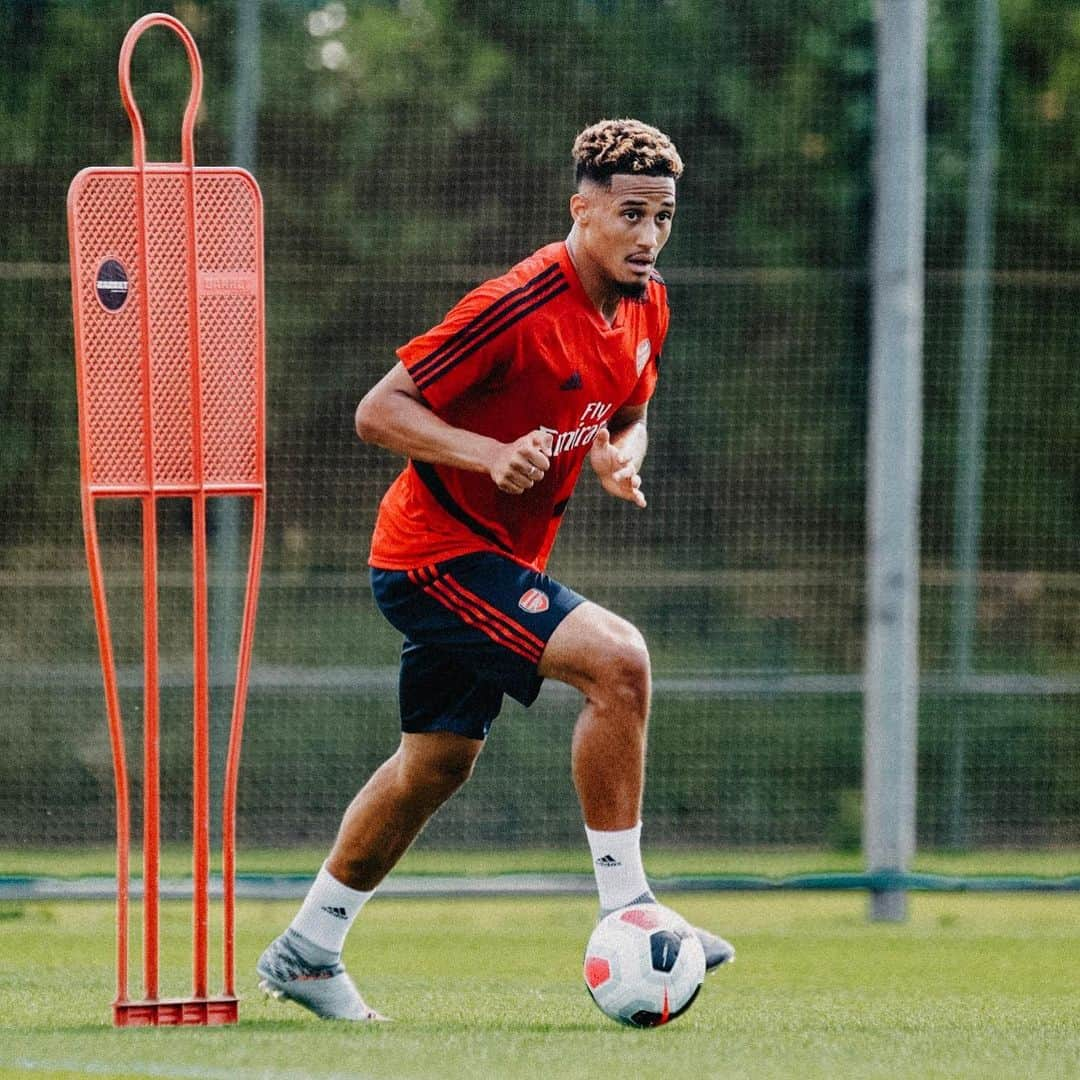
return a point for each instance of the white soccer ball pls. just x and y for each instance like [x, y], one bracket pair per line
[644, 965]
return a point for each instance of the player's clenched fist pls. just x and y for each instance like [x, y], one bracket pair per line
[517, 466]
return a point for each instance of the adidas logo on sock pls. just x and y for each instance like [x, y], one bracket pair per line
[608, 861]
[337, 912]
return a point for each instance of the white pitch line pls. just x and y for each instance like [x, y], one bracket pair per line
[170, 1072]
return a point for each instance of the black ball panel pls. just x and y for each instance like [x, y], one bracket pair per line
[664, 945]
[646, 1019]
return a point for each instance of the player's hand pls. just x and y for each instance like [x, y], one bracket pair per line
[616, 470]
[517, 466]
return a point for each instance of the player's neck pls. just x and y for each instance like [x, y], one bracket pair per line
[596, 285]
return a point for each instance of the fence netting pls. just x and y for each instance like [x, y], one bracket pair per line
[409, 150]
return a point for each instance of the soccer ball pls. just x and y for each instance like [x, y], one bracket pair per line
[644, 965]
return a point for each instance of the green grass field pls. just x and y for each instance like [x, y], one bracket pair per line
[970, 986]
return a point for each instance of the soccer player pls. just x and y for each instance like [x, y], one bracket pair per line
[497, 409]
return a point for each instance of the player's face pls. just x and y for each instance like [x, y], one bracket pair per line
[626, 227]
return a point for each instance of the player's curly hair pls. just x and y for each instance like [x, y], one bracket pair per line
[624, 146]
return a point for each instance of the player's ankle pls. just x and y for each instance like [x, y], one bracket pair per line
[620, 876]
[328, 912]
[309, 952]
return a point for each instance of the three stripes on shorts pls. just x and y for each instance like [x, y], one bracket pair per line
[477, 612]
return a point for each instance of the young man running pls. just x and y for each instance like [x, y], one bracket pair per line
[497, 409]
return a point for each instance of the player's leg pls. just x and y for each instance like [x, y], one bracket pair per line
[397, 802]
[445, 713]
[606, 658]
[304, 964]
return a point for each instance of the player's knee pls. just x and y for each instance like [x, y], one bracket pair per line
[442, 768]
[623, 671]
[450, 773]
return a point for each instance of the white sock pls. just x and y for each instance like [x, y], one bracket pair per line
[328, 911]
[616, 856]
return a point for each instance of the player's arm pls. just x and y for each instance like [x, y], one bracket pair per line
[618, 451]
[394, 415]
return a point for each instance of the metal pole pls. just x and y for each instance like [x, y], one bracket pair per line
[248, 84]
[229, 563]
[974, 360]
[895, 450]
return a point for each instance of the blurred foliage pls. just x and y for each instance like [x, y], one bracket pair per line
[779, 771]
[401, 142]
[408, 149]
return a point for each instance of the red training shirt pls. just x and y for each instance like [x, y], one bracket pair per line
[523, 351]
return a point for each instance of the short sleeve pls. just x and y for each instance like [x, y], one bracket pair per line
[459, 353]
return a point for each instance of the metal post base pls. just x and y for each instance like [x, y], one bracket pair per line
[888, 905]
[176, 1012]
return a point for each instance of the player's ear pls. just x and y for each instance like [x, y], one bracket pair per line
[579, 208]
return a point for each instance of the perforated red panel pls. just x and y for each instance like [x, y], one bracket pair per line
[109, 349]
[165, 301]
[230, 310]
[170, 311]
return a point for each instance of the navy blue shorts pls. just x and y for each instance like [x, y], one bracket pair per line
[475, 628]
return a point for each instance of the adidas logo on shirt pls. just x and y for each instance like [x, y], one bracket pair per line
[336, 912]
[573, 383]
[608, 861]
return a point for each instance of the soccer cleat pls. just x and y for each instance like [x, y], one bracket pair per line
[326, 990]
[717, 950]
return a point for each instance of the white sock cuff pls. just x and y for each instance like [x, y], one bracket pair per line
[618, 836]
[616, 855]
[328, 911]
